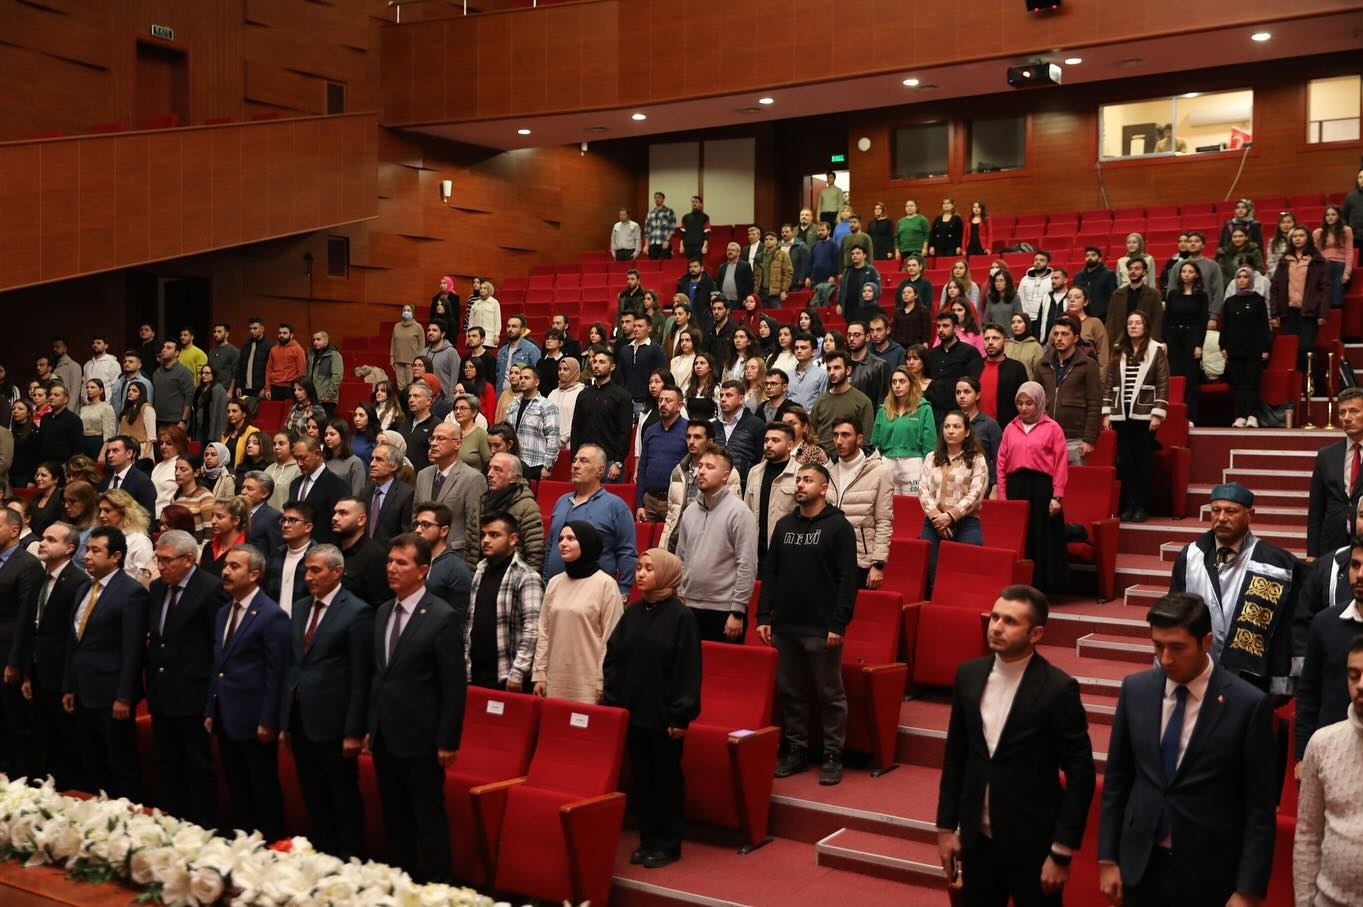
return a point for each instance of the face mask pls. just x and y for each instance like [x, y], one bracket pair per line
[406, 316]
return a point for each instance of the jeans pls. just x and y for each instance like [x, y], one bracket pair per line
[966, 530]
[1336, 272]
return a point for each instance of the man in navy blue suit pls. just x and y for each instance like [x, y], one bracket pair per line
[103, 679]
[257, 487]
[416, 710]
[325, 702]
[121, 472]
[1191, 783]
[250, 655]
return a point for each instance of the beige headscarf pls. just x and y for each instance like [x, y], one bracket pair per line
[1037, 393]
[667, 573]
[574, 372]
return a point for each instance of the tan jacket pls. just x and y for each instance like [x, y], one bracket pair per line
[408, 342]
[868, 503]
[526, 510]
[676, 497]
[774, 273]
[780, 502]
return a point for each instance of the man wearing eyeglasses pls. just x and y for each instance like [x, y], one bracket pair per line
[284, 576]
[183, 604]
[450, 578]
[450, 481]
[775, 385]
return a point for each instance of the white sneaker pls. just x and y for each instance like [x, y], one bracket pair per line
[1238, 423]
[1252, 422]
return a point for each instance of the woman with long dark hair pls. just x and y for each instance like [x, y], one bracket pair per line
[684, 360]
[948, 230]
[744, 345]
[912, 323]
[365, 434]
[979, 236]
[704, 384]
[239, 431]
[46, 508]
[1335, 241]
[783, 357]
[475, 382]
[1279, 245]
[138, 420]
[1033, 466]
[208, 413]
[305, 407]
[256, 457]
[805, 452]
[1300, 293]
[1001, 302]
[881, 230]
[97, 419]
[1136, 402]
[387, 403]
[340, 457]
[1023, 346]
[1185, 329]
[951, 490]
[809, 322]
[26, 454]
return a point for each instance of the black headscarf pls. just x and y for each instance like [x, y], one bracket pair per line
[588, 562]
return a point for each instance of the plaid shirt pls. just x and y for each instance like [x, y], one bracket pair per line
[518, 619]
[537, 430]
[659, 225]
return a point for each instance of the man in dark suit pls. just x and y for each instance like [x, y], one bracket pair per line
[184, 606]
[1190, 788]
[389, 501]
[325, 701]
[43, 632]
[21, 576]
[1335, 480]
[734, 278]
[737, 428]
[250, 656]
[416, 710]
[318, 486]
[697, 287]
[365, 574]
[257, 487]
[1016, 724]
[284, 581]
[120, 459]
[450, 578]
[103, 678]
[1007, 375]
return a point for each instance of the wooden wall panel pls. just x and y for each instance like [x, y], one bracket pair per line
[59, 224]
[96, 198]
[165, 195]
[131, 189]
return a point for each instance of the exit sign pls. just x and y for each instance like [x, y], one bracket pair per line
[164, 32]
[837, 159]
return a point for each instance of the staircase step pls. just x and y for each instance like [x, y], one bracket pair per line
[1272, 459]
[880, 856]
[1064, 627]
[1199, 495]
[1156, 535]
[1143, 595]
[1265, 516]
[1144, 569]
[1115, 648]
[1282, 479]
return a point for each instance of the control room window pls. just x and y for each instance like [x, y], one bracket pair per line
[920, 151]
[997, 144]
[1190, 123]
[1332, 108]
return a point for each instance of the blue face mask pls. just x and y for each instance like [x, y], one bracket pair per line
[406, 316]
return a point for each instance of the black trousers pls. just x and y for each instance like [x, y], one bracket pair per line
[1179, 343]
[1243, 374]
[659, 788]
[252, 770]
[184, 756]
[330, 784]
[659, 253]
[994, 873]
[711, 623]
[690, 252]
[412, 792]
[532, 473]
[806, 664]
[53, 749]
[1159, 886]
[829, 217]
[1135, 447]
[108, 753]
[1292, 322]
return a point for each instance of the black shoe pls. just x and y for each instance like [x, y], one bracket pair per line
[658, 859]
[830, 772]
[792, 763]
[639, 856]
[1139, 515]
[1125, 515]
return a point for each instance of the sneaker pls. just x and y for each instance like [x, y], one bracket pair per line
[1139, 515]
[1252, 422]
[1238, 423]
[792, 763]
[639, 856]
[658, 859]
[830, 772]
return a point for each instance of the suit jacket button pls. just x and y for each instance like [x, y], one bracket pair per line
[161, 670]
[220, 674]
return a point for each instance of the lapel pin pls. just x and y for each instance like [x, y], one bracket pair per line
[422, 611]
[1220, 700]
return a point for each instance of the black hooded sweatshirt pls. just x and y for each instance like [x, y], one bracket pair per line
[809, 578]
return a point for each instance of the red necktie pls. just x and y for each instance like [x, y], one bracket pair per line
[1354, 470]
[312, 626]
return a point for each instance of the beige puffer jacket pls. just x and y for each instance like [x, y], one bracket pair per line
[868, 503]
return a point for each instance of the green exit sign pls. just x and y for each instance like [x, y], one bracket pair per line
[837, 158]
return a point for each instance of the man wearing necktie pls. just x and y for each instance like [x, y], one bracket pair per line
[184, 606]
[389, 501]
[1250, 587]
[103, 677]
[325, 701]
[1190, 789]
[318, 486]
[1335, 481]
[250, 656]
[121, 472]
[416, 711]
[43, 632]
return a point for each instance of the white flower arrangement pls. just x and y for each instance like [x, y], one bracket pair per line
[180, 864]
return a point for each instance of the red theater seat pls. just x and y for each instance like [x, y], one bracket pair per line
[730, 749]
[1005, 526]
[499, 734]
[375, 841]
[971, 575]
[560, 823]
[270, 414]
[908, 517]
[1091, 500]
[1172, 464]
[1105, 451]
[906, 571]
[873, 676]
[162, 121]
[942, 638]
[297, 822]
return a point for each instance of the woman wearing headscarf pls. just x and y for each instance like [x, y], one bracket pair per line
[1135, 248]
[216, 472]
[1247, 341]
[1033, 466]
[565, 398]
[1136, 402]
[444, 309]
[581, 607]
[652, 669]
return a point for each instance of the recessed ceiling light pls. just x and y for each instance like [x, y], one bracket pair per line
[638, 116]
[1073, 61]
[766, 100]
[911, 83]
[522, 132]
[1191, 94]
[1260, 36]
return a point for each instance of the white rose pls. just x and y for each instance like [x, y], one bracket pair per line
[334, 890]
[285, 882]
[189, 840]
[141, 867]
[205, 885]
[175, 886]
[64, 843]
